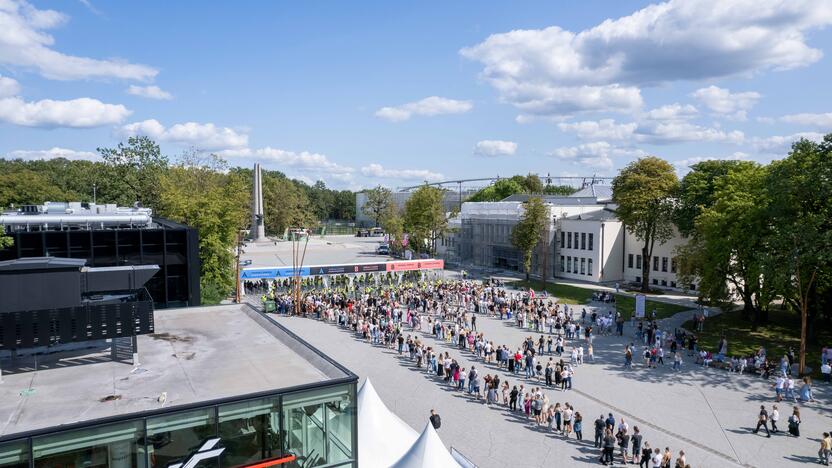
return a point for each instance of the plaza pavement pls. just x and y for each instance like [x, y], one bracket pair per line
[707, 412]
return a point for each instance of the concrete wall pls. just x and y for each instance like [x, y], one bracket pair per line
[613, 251]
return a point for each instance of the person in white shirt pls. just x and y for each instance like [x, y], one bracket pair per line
[826, 371]
[779, 386]
[774, 416]
[656, 459]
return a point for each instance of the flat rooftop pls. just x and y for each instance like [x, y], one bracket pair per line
[195, 355]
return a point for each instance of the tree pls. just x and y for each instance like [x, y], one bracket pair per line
[696, 192]
[497, 191]
[199, 194]
[527, 232]
[393, 225]
[424, 218]
[732, 240]
[379, 201]
[285, 204]
[800, 214]
[134, 171]
[643, 191]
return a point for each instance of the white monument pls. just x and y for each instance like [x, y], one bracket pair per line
[258, 229]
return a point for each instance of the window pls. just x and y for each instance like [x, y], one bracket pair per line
[664, 264]
[14, 454]
[562, 266]
[630, 261]
[583, 265]
[638, 279]
[673, 265]
[99, 447]
[591, 235]
[655, 263]
[318, 424]
[655, 281]
[569, 240]
[575, 265]
[583, 241]
[638, 262]
[589, 266]
[664, 282]
[672, 284]
[569, 264]
[177, 434]
[692, 287]
[562, 239]
[247, 431]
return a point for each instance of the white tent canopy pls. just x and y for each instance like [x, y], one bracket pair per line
[382, 436]
[427, 452]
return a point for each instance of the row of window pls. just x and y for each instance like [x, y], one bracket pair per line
[655, 263]
[575, 265]
[582, 240]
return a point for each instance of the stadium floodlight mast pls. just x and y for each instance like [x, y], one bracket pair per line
[300, 239]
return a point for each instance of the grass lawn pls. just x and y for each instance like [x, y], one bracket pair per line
[782, 331]
[567, 294]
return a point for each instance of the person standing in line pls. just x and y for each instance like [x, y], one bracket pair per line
[774, 417]
[512, 402]
[624, 445]
[579, 426]
[762, 420]
[636, 439]
[656, 459]
[646, 454]
[600, 425]
[794, 422]
[681, 461]
[608, 448]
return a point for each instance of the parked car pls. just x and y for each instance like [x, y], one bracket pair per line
[362, 233]
[383, 249]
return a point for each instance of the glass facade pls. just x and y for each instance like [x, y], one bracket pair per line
[307, 428]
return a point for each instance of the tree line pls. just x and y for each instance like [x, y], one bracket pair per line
[197, 189]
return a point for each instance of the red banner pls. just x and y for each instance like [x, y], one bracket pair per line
[416, 265]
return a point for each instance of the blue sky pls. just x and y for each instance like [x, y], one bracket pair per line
[362, 93]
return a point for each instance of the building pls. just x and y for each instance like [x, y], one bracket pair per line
[451, 202]
[225, 386]
[585, 241]
[108, 236]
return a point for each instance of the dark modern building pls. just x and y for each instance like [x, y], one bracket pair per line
[108, 236]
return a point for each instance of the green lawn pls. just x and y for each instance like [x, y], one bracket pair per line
[567, 294]
[781, 332]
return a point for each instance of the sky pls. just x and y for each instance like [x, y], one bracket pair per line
[364, 93]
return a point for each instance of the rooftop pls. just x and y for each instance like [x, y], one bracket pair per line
[196, 355]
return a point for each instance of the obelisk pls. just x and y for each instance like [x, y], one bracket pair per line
[258, 229]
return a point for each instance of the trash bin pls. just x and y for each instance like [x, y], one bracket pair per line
[269, 306]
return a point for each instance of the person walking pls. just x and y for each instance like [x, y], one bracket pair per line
[762, 420]
[794, 422]
[774, 417]
[435, 420]
[825, 449]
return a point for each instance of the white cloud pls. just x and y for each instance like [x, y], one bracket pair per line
[823, 121]
[150, 92]
[535, 100]
[781, 145]
[52, 153]
[303, 161]
[495, 148]
[25, 43]
[78, 113]
[604, 129]
[672, 41]
[671, 128]
[596, 155]
[723, 102]
[679, 132]
[673, 111]
[683, 165]
[428, 106]
[8, 87]
[205, 136]
[378, 171]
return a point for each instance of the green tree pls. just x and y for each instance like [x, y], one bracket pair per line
[732, 240]
[379, 200]
[199, 194]
[696, 192]
[27, 187]
[424, 218]
[527, 233]
[800, 219]
[643, 191]
[134, 171]
[285, 204]
[393, 225]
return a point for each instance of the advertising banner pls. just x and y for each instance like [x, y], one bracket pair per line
[323, 270]
[416, 265]
[641, 302]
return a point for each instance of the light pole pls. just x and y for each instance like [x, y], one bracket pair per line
[93, 194]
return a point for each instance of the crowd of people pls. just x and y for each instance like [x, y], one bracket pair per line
[418, 319]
